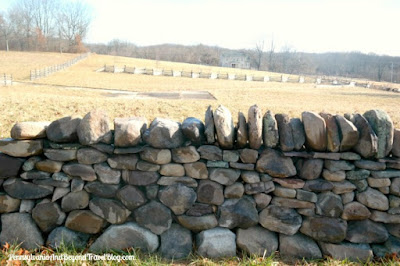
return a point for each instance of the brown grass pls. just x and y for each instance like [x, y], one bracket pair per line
[26, 102]
[19, 64]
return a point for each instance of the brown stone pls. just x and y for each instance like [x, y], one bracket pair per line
[224, 127]
[315, 128]
[255, 124]
[367, 145]
[29, 130]
[209, 128]
[290, 182]
[242, 134]
[332, 132]
[128, 131]
[94, 128]
[355, 211]
[285, 132]
[84, 221]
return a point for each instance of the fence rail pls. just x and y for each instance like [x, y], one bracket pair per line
[318, 80]
[44, 72]
[6, 79]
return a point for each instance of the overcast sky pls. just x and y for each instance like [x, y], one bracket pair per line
[303, 25]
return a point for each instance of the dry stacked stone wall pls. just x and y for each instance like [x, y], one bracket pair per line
[307, 187]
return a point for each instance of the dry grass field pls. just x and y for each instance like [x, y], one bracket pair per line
[27, 101]
[19, 64]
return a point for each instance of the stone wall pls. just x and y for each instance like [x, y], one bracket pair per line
[320, 185]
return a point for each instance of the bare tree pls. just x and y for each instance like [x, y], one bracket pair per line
[5, 30]
[74, 19]
[259, 53]
[21, 19]
[271, 62]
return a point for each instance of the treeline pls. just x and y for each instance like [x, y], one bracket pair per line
[45, 25]
[286, 60]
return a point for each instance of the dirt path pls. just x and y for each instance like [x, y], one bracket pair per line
[201, 95]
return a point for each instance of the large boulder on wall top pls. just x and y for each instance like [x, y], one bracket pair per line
[224, 127]
[164, 134]
[315, 129]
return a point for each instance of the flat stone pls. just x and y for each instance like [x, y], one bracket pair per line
[94, 128]
[62, 236]
[29, 130]
[176, 242]
[111, 210]
[238, 213]
[318, 185]
[338, 165]
[284, 192]
[123, 162]
[156, 156]
[327, 155]
[84, 221]
[379, 182]
[292, 203]
[63, 129]
[20, 228]
[75, 201]
[286, 141]
[394, 165]
[250, 177]
[262, 200]
[60, 155]
[396, 143]
[210, 192]
[197, 170]
[85, 172]
[324, 229]
[172, 180]
[259, 187]
[332, 132]
[370, 165]
[350, 156]
[257, 241]
[384, 217]
[290, 182]
[236, 190]
[128, 131]
[61, 177]
[393, 229]
[140, 178]
[172, 169]
[185, 155]
[395, 187]
[343, 187]
[275, 164]
[347, 251]
[248, 156]
[311, 169]
[209, 128]
[335, 176]
[131, 197]
[90, 156]
[48, 216]
[367, 145]
[382, 125]
[242, 166]
[347, 197]
[315, 129]
[224, 127]
[255, 127]
[178, 198]
[385, 174]
[63, 146]
[299, 246]
[27, 165]
[242, 134]
[306, 196]
[270, 130]
[49, 166]
[146, 166]
[210, 152]
[8, 203]
[101, 190]
[58, 193]
[366, 231]
[124, 236]
[361, 185]
[51, 182]
[129, 150]
[329, 205]
[355, 211]
[224, 176]
[306, 212]
[373, 199]
[31, 175]
[299, 136]
[198, 224]
[280, 219]
[21, 148]
[216, 243]
[25, 190]
[348, 132]
[200, 209]
[106, 174]
[230, 156]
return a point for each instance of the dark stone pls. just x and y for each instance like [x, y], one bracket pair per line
[329, 205]
[257, 240]
[324, 229]
[193, 130]
[367, 145]
[299, 136]
[25, 190]
[164, 134]
[62, 236]
[275, 164]
[210, 152]
[48, 216]
[286, 141]
[75, 201]
[131, 197]
[176, 242]
[198, 223]
[210, 192]
[139, 178]
[311, 169]
[84, 221]
[200, 209]
[241, 213]
[209, 128]
[279, 219]
[63, 129]
[178, 198]
[9, 166]
[101, 190]
[154, 216]
[332, 132]
[366, 231]
[299, 246]
[111, 210]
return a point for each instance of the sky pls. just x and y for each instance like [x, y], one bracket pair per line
[368, 26]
